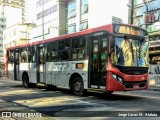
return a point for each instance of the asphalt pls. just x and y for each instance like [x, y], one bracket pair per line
[153, 88]
[10, 106]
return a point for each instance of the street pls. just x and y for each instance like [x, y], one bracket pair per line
[61, 104]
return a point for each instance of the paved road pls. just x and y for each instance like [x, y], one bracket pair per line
[61, 104]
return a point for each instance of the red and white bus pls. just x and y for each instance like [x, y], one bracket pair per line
[109, 58]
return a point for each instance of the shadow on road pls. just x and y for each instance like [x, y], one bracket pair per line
[43, 100]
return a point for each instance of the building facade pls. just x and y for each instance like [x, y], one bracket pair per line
[2, 26]
[50, 19]
[86, 14]
[17, 34]
[146, 14]
[58, 17]
[11, 12]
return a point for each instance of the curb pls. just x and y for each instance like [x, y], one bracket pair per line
[154, 88]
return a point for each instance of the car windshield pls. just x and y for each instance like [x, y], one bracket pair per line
[131, 52]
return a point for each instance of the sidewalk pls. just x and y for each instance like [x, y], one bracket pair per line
[154, 88]
[5, 78]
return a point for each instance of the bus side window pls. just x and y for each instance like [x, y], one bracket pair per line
[41, 57]
[82, 54]
[74, 54]
[24, 55]
[49, 56]
[79, 48]
[104, 49]
[64, 49]
[31, 54]
[52, 51]
[10, 58]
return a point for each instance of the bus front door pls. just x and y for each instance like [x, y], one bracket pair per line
[98, 62]
[16, 65]
[40, 65]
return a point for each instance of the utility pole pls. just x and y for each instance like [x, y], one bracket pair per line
[131, 7]
[43, 19]
[146, 4]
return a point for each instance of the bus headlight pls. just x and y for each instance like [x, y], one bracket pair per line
[114, 76]
[120, 79]
[117, 78]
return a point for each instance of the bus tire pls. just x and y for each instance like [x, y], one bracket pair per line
[25, 80]
[77, 86]
[109, 92]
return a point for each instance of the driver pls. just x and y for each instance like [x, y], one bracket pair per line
[126, 49]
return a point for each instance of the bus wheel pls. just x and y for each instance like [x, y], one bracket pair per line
[110, 92]
[77, 86]
[25, 80]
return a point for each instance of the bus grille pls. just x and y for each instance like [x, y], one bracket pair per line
[130, 85]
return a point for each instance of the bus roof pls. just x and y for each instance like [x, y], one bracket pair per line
[105, 27]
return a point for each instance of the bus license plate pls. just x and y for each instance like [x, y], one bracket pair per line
[136, 86]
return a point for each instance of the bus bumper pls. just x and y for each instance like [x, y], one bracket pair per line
[113, 85]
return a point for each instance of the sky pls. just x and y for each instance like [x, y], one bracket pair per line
[101, 14]
[119, 9]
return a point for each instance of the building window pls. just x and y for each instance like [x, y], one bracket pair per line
[136, 2]
[47, 12]
[156, 4]
[153, 5]
[72, 28]
[71, 10]
[2, 20]
[157, 17]
[139, 11]
[84, 6]
[138, 21]
[42, 2]
[84, 17]
[2, 26]
[84, 25]
[84, 10]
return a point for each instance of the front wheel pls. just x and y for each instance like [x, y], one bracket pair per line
[77, 86]
[109, 92]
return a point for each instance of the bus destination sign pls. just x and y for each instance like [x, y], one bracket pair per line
[123, 29]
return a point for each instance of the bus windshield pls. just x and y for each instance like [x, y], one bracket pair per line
[131, 52]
